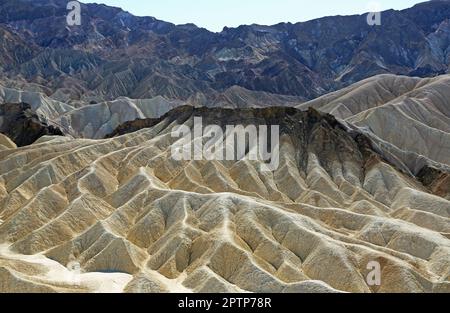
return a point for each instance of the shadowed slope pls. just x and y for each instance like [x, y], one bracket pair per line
[408, 119]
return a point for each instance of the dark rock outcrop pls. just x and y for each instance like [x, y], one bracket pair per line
[22, 125]
[310, 130]
[437, 180]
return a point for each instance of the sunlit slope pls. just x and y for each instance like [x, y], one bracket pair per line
[136, 220]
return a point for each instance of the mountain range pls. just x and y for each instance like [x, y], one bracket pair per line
[114, 53]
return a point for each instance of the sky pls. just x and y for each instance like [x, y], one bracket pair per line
[215, 14]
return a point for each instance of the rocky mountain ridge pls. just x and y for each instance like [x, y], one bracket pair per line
[114, 53]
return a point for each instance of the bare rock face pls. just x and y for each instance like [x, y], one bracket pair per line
[437, 180]
[122, 214]
[407, 119]
[97, 120]
[23, 126]
[115, 54]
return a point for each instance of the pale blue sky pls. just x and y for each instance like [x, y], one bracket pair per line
[215, 14]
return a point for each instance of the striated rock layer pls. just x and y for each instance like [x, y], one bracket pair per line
[120, 214]
[407, 118]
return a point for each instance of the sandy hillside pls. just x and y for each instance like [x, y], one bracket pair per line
[132, 219]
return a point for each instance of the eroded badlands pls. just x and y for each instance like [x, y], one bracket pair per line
[135, 220]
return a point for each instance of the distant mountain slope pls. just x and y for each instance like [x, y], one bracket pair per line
[407, 119]
[114, 53]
